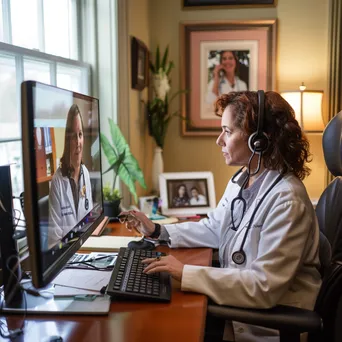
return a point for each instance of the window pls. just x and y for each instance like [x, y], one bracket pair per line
[38, 41]
[1, 26]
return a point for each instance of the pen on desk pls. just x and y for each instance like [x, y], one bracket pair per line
[189, 217]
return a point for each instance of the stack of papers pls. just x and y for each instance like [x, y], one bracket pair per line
[108, 243]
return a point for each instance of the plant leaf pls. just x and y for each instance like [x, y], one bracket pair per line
[163, 64]
[157, 59]
[127, 179]
[132, 166]
[119, 141]
[121, 160]
[115, 166]
[108, 150]
[169, 68]
[184, 91]
[153, 70]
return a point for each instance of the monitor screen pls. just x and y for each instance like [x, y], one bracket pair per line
[62, 174]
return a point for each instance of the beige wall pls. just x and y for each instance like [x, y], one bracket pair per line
[301, 56]
[139, 141]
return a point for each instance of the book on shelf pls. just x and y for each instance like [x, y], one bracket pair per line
[47, 139]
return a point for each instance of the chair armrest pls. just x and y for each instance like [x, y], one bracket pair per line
[281, 317]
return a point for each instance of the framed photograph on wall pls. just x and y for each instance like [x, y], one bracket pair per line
[187, 193]
[139, 65]
[228, 3]
[220, 57]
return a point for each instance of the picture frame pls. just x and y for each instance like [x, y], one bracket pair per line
[139, 64]
[205, 4]
[146, 204]
[187, 193]
[208, 45]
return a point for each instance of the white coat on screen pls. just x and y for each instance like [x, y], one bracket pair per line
[62, 213]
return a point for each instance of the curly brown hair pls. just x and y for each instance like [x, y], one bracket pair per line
[288, 148]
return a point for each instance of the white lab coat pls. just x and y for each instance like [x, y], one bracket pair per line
[281, 248]
[62, 213]
[201, 200]
[224, 88]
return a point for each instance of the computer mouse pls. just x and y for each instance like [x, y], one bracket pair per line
[141, 244]
[53, 338]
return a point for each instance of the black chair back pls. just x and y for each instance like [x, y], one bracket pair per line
[327, 304]
[329, 215]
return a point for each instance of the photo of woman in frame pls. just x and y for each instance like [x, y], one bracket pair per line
[228, 70]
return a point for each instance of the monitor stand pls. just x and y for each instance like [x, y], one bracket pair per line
[46, 303]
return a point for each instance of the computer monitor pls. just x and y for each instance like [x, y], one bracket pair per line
[62, 175]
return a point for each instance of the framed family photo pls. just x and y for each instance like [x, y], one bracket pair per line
[195, 4]
[187, 193]
[220, 57]
[139, 61]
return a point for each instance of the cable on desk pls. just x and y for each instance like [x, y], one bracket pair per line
[88, 263]
[16, 332]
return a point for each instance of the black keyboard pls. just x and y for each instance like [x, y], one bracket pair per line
[129, 282]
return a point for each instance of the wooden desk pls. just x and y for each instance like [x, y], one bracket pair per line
[183, 319]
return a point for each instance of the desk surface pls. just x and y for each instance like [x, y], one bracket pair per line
[182, 319]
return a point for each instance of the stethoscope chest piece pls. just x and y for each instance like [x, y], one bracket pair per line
[86, 204]
[239, 257]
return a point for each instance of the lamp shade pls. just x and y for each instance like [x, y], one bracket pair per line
[308, 108]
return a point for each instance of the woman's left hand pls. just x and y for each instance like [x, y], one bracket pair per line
[165, 264]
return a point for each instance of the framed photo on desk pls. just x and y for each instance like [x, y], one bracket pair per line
[187, 193]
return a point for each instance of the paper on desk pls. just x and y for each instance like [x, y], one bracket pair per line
[64, 291]
[108, 243]
[83, 279]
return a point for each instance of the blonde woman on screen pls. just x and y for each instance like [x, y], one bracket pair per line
[70, 196]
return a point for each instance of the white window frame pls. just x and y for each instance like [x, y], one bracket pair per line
[20, 54]
[75, 50]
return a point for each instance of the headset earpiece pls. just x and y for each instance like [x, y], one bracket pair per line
[258, 141]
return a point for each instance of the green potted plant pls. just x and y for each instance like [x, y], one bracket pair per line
[124, 166]
[112, 198]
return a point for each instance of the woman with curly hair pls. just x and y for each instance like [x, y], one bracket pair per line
[264, 227]
[182, 198]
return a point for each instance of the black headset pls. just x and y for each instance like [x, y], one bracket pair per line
[258, 141]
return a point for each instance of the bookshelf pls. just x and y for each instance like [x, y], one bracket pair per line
[45, 147]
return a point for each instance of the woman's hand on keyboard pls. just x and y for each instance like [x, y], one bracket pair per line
[139, 222]
[167, 264]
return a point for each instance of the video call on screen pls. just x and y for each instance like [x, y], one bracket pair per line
[57, 199]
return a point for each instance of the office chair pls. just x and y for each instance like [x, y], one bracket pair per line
[324, 323]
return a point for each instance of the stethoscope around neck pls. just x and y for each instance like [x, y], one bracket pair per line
[239, 257]
[86, 201]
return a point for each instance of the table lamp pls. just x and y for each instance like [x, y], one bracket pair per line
[307, 105]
